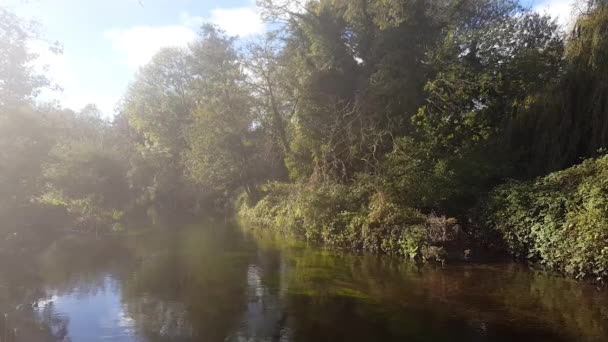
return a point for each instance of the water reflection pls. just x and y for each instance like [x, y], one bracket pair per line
[213, 283]
[92, 314]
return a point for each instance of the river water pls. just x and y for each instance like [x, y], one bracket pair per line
[212, 282]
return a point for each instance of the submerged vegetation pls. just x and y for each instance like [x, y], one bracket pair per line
[431, 130]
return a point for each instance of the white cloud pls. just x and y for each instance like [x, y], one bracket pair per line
[239, 21]
[138, 44]
[74, 93]
[562, 10]
[131, 47]
[242, 21]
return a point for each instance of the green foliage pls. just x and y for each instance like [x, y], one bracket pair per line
[411, 109]
[196, 125]
[19, 82]
[559, 220]
[221, 139]
[567, 121]
[157, 112]
[88, 181]
[350, 217]
[415, 177]
[25, 143]
[27, 132]
[386, 116]
[482, 74]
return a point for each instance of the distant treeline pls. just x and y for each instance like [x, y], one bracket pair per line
[416, 128]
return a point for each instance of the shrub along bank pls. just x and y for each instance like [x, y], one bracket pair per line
[560, 220]
[354, 218]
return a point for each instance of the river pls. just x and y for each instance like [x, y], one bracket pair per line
[212, 282]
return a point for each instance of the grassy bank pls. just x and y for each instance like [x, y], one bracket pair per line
[559, 221]
[354, 218]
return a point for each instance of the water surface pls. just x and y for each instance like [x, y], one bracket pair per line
[214, 283]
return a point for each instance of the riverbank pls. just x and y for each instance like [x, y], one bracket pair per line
[338, 216]
[558, 221]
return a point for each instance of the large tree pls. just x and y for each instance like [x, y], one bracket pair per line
[224, 136]
[159, 108]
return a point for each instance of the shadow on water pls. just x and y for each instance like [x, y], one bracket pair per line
[211, 282]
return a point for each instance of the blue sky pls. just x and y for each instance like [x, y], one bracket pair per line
[106, 41]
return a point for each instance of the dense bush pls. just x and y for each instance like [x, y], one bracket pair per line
[560, 220]
[415, 177]
[354, 217]
[89, 182]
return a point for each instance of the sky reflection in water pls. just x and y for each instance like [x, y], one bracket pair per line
[216, 284]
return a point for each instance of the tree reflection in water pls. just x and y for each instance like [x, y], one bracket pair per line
[213, 283]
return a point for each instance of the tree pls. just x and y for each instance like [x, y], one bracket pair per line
[159, 108]
[482, 74]
[25, 142]
[89, 181]
[224, 135]
[567, 121]
[18, 82]
[25, 137]
[274, 98]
